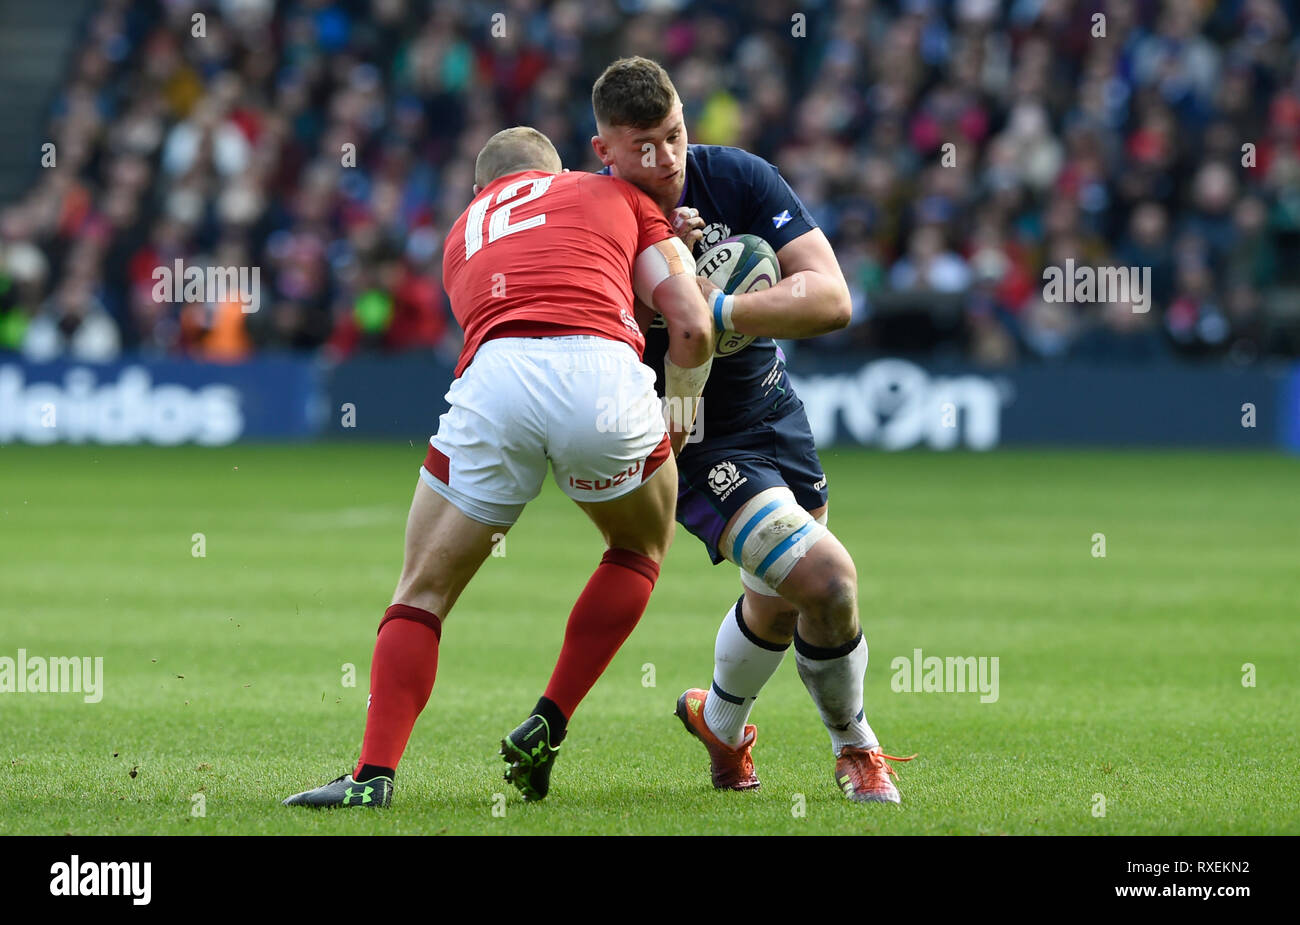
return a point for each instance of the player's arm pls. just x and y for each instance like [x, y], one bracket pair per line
[811, 299]
[664, 279]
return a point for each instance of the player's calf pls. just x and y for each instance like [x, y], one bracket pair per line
[444, 548]
[770, 617]
[638, 527]
[769, 536]
[831, 656]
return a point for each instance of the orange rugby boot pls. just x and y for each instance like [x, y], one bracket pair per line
[733, 768]
[863, 774]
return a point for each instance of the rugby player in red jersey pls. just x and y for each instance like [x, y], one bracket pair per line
[541, 270]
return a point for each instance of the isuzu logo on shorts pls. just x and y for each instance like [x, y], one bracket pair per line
[603, 484]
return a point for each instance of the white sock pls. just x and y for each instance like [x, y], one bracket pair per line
[741, 666]
[834, 679]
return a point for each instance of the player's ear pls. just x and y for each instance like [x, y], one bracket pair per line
[476, 190]
[602, 150]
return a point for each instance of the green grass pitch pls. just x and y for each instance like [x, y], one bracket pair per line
[1120, 676]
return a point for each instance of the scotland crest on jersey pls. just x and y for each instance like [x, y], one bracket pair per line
[714, 233]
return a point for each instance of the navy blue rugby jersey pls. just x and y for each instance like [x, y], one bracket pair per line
[736, 193]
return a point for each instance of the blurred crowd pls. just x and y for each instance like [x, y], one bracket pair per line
[952, 151]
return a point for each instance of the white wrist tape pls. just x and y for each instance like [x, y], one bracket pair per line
[685, 382]
[722, 305]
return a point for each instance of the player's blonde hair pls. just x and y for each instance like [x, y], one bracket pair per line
[512, 150]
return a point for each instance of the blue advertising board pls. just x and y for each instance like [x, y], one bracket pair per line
[888, 403]
[163, 402]
[896, 404]
[401, 396]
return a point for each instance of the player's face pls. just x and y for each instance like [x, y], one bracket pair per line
[652, 158]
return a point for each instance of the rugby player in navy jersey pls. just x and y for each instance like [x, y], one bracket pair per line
[752, 489]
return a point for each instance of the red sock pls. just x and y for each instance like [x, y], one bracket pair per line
[606, 613]
[401, 677]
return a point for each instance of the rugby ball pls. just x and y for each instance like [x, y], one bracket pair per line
[745, 263]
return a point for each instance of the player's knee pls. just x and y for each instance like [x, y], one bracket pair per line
[833, 604]
[423, 598]
[633, 561]
[653, 539]
[651, 544]
[654, 552]
[422, 587]
[841, 597]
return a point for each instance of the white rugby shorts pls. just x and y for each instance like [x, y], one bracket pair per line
[585, 404]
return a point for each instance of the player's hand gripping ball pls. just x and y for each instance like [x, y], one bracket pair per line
[688, 225]
[745, 263]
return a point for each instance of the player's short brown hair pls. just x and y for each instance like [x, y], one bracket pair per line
[512, 150]
[635, 92]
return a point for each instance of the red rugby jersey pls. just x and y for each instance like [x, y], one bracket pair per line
[550, 255]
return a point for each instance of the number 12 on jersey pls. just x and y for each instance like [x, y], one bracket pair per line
[499, 224]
